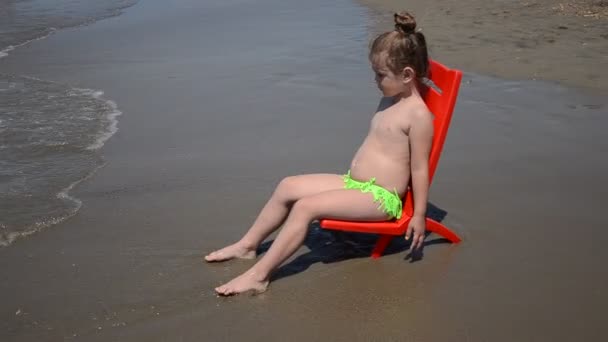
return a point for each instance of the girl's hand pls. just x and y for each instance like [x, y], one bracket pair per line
[418, 226]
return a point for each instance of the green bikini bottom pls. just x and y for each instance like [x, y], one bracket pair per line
[390, 202]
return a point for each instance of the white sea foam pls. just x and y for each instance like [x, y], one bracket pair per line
[4, 52]
[111, 116]
[8, 238]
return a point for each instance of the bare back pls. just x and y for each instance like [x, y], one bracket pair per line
[385, 152]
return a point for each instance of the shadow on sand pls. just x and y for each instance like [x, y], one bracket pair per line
[328, 246]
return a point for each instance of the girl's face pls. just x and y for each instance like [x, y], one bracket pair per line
[389, 83]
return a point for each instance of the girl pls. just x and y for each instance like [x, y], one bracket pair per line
[396, 148]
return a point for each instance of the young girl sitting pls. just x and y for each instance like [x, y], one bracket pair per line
[396, 148]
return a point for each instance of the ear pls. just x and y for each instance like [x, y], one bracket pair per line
[408, 75]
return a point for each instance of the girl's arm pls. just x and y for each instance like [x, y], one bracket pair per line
[421, 140]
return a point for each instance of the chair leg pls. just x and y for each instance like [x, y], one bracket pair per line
[381, 245]
[438, 228]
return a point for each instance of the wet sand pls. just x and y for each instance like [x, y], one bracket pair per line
[522, 179]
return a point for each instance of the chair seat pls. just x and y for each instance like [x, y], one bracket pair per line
[382, 227]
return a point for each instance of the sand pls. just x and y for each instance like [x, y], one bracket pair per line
[552, 40]
[209, 128]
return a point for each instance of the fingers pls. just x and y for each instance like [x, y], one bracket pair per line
[420, 241]
[418, 238]
[417, 242]
[414, 242]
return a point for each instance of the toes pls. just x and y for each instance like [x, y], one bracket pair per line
[213, 256]
[223, 291]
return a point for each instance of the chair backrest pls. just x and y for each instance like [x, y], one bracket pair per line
[441, 104]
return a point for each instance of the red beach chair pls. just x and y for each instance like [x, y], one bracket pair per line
[441, 105]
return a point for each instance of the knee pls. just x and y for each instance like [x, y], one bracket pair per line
[305, 209]
[286, 189]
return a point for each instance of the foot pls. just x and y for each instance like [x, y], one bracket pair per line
[236, 250]
[246, 282]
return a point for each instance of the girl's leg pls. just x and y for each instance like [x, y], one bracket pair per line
[336, 204]
[275, 211]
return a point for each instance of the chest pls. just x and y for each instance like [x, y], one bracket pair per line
[387, 126]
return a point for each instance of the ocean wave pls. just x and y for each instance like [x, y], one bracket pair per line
[50, 17]
[52, 133]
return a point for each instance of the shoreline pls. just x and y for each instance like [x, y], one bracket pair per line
[522, 40]
[22, 230]
[188, 170]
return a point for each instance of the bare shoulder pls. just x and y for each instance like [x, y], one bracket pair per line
[421, 115]
[415, 115]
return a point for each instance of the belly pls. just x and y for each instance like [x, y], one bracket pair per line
[391, 171]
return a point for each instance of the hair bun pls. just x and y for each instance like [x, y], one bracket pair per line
[405, 23]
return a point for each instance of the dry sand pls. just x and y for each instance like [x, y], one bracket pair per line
[522, 179]
[562, 41]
